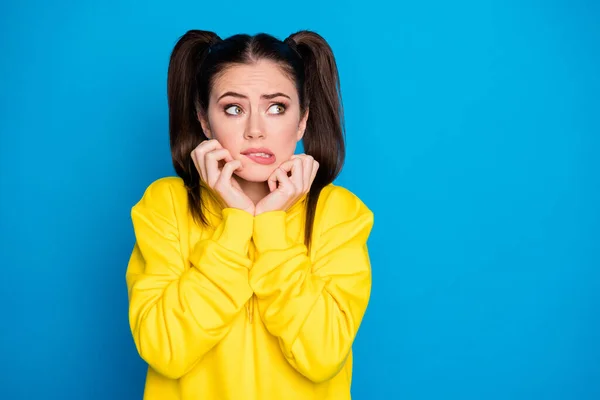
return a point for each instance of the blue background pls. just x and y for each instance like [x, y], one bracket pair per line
[473, 133]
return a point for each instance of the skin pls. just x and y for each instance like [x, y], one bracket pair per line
[247, 119]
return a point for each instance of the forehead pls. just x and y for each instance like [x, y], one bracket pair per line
[258, 78]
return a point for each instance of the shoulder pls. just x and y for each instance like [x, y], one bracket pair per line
[163, 195]
[338, 199]
[338, 204]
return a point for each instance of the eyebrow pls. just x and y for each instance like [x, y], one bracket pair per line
[264, 96]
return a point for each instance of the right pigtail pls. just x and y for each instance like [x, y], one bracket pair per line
[185, 130]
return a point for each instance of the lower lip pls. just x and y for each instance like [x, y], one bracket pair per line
[261, 160]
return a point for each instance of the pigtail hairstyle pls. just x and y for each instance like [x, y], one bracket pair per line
[182, 92]
[324, 135]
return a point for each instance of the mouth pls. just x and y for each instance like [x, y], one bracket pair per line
[262, 156]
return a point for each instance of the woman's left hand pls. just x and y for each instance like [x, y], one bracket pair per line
[286, 190]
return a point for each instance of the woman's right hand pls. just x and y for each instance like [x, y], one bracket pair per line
[207, 156]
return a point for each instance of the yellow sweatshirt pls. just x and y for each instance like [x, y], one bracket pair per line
[242, 311]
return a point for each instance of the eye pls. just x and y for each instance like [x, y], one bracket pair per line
[233, 110]
[277, 109]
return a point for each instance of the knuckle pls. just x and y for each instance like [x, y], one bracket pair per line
[206, 144]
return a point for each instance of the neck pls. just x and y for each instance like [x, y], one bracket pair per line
[256, 191]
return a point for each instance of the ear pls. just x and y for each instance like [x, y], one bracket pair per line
[302, 125]
[205, 125]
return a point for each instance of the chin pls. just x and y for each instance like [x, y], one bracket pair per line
[257, 174]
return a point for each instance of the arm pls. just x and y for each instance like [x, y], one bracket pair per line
[314, 309]
[178, 312]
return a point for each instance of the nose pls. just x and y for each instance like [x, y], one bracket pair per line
[254, 129]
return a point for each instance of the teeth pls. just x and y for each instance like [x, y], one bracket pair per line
[263, 155]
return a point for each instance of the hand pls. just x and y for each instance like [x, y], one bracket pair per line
[207, 158]
[286, 190]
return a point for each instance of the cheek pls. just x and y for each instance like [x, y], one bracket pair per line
[284, 135]
[227, 132]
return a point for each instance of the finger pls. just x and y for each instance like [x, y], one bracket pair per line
[294, 165]
[285, 183]
[210, 144]
[288, 188]
[279, 179]
[307, 168]
[218, 155]
[215, 160]
[287, 165]
[212, 163]
[224, 181]
[272, 181]
[298, 174]
[199, 153]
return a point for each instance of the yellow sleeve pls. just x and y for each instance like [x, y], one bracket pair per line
[178, 311]
[315, 308]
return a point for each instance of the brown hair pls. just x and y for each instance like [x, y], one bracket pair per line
[199, 56]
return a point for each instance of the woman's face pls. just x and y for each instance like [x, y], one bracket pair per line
[254, 112]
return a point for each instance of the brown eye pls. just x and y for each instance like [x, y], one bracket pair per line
[277, 109]
[233, 110]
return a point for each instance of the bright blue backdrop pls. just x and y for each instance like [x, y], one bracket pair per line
[473, 134]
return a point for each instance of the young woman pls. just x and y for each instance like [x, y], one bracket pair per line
[250, 275]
